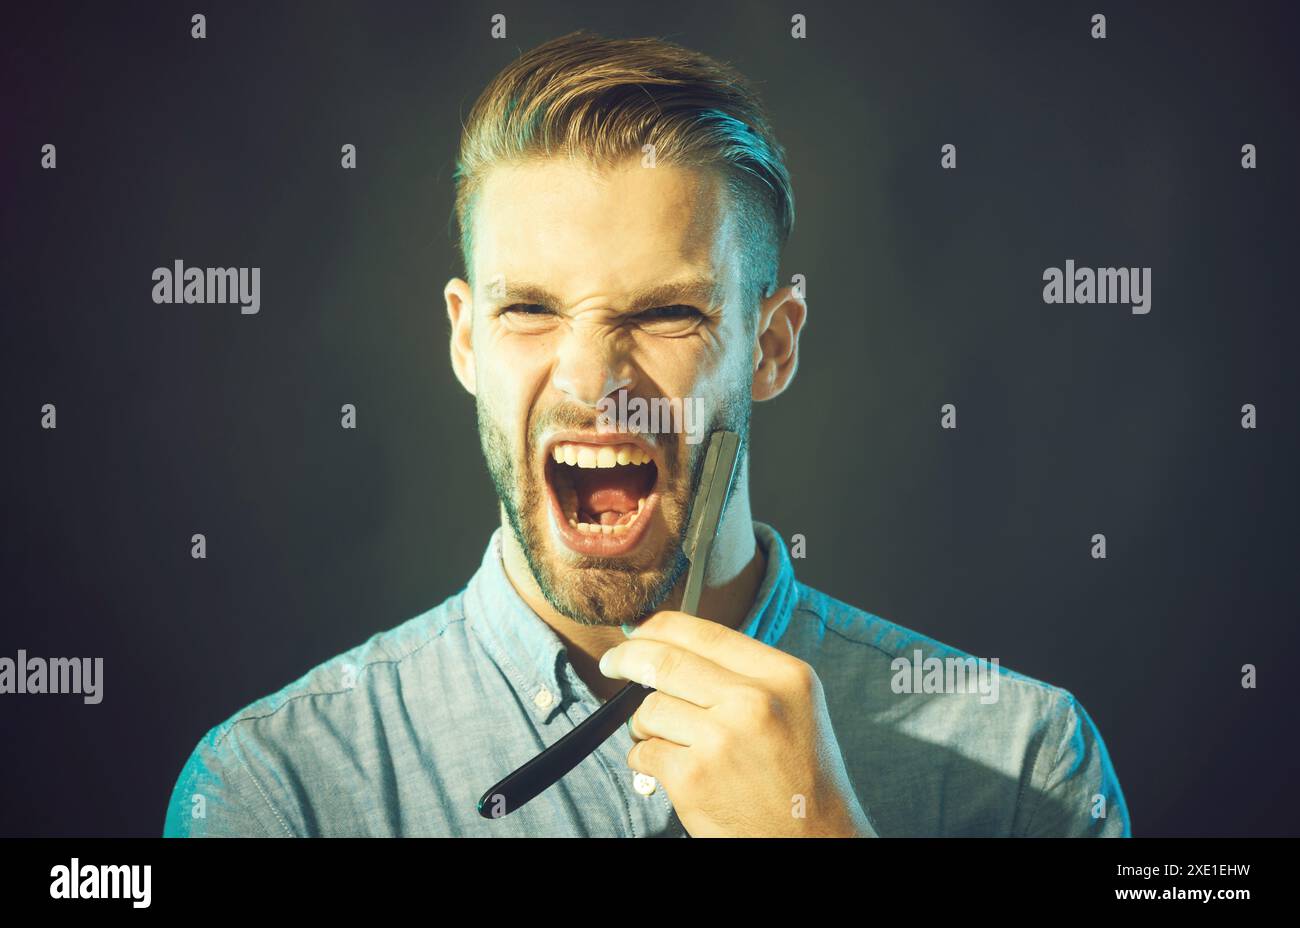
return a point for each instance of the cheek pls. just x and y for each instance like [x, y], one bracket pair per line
[668, 362]
[511, 367]
[501, 401]
[502, 348]
[687, 367]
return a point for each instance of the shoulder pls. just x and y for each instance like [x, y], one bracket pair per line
[1024, 752]
[248, 773]
[848, 641]
[360, 673]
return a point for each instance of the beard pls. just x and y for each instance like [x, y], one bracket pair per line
[602, 591]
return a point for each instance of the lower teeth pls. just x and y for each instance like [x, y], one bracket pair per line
[593, 528]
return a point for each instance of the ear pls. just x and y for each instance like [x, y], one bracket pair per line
[460, 310]
[776, 342]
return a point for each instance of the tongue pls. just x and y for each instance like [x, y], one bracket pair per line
[606, 493]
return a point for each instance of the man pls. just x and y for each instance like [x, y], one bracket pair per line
[622, 207]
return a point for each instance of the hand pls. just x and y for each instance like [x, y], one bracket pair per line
[736, 731]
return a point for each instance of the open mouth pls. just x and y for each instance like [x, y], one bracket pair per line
[602, 495]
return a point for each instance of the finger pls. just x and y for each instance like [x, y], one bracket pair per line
[724, 646]
[669, 718]
[657, 758]
[669, 669]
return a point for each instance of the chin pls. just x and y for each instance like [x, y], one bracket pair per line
[606, 591]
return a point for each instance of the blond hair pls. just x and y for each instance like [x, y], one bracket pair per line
[584, 95]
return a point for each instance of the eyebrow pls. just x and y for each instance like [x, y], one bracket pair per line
[697, 290]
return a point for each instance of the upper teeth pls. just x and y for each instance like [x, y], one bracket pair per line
[567, 452]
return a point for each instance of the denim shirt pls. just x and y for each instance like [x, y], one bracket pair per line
[401, 735]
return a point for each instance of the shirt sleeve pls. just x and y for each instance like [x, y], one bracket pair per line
[1074, 791]
[215, 796]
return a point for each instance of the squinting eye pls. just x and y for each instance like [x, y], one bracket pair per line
[527, 309]
[670, 312]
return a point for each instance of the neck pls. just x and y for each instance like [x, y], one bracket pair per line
[735, 571]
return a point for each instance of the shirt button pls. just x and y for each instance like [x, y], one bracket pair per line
[543, 699]
[644, 784]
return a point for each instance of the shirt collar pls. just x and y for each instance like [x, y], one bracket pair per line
[532, 654]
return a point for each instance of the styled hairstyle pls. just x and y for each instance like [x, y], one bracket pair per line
[586, 96]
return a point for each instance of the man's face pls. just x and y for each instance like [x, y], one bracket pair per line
[592, 287]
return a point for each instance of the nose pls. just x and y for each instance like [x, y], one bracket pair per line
[589, 367]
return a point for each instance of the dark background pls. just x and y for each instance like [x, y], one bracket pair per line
[924, 288]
